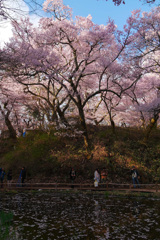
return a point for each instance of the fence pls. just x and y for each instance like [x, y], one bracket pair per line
[82, 186]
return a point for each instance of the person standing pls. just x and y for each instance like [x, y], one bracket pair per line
[103, 175]
[135, 176]
[23, 175]
[24, 133]
[2, 176]
[96, 178]
[72, 175]
[9, 177]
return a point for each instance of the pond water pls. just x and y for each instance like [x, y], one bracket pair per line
[69, 215]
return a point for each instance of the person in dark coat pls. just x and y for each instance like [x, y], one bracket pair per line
[23, 175]
[135, 176]
[2, 176]
[9, 177]
[72, 174]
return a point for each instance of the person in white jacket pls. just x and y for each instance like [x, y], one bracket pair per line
[97, 176]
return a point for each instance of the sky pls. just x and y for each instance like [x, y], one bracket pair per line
[100, 10]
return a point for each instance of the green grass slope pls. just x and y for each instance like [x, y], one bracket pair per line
[48, 157]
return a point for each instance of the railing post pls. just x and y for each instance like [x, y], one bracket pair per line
[107, 186]
[5, 186]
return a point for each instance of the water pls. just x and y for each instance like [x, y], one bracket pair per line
[58, 215]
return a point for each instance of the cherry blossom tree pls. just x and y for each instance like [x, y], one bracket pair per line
[18, 8]
[140, 103]
[135, 105]
[12, 108]
[148, 50]
[95, 70]
[71, 61]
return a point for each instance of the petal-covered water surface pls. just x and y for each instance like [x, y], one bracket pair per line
[77, 215]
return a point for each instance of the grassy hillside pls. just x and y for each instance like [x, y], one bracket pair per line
[48, 157]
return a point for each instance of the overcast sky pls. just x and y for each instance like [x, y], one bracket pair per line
[100, 10]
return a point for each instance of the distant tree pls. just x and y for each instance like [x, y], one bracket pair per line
[14, 115]
[118, 2]
[9, 108]
[148, 48]
[18, 8]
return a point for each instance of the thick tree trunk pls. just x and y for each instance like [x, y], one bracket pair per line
[54, 118]
[12, 131]
[113, 126]
[84, 127]
[143, 120]
[112, 123]
[6, 113]
[62, 117]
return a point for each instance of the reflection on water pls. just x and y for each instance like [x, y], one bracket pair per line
[58, 215]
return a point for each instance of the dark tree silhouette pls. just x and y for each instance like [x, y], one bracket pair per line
[119, 2]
